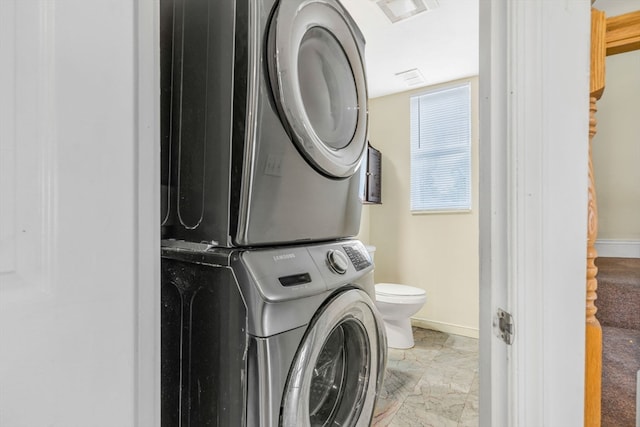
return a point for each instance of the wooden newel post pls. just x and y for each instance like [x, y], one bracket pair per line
[593, 356]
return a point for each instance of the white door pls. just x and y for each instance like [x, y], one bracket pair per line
[78, 227]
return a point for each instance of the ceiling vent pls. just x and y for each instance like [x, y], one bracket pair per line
[412, 77]
[398, 10]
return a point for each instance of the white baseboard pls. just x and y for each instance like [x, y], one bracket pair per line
[448, 328]
[618, 248]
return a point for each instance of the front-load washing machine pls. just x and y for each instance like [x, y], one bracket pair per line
[264, 121]
[286, 337]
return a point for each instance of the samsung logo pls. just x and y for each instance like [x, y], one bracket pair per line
[283, 257]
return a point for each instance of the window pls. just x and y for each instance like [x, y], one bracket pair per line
[441, 150]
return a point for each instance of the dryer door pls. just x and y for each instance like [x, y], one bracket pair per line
[339, 367]
[316, 69]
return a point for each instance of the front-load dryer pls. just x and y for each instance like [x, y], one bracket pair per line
[264, 121]
[274, 337]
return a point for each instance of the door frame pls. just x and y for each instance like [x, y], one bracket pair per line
[533, 162]
[534, 80]
[147, 124]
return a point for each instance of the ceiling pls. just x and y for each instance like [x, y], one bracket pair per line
[442, 42]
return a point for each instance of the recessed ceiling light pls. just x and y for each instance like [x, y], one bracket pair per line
[398, 10]
[412, 77]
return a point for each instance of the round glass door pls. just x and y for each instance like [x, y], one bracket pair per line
[327, 88]
[338, 369]
[317, 73]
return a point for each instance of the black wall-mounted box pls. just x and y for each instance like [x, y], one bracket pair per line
[373, 178]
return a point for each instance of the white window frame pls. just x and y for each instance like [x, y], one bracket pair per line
[432, 154]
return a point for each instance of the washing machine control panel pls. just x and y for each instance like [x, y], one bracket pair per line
[359, 259]
[288, 273]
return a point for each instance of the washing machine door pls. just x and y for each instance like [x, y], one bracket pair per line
[316, 68]
[339, 367]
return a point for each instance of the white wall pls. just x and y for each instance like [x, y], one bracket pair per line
[616, 150]
[435, 252]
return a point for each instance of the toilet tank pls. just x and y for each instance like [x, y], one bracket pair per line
[371, 249]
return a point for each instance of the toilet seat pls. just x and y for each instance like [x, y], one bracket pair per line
[394, 293]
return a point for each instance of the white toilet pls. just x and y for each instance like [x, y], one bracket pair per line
[397, 303]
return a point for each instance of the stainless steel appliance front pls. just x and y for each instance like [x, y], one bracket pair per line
[264, 121]
[273, 337]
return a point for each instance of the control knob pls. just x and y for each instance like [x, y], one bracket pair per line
[337, 261]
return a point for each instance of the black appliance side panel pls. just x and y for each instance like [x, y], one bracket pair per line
[170, 59]
[199, 112]
[241, 84]
[204, 347]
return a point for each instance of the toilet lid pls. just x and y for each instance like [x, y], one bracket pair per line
[393, 289]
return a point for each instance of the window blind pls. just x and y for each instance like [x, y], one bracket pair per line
[441, 150]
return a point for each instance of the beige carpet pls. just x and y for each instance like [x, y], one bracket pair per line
[619, 313]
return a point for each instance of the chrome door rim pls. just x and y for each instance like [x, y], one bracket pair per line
[349, 306]
[292, 20]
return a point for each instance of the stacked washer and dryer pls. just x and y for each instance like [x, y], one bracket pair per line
[268, 316]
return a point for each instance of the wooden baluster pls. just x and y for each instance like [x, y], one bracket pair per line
[593, 355]
[593, 366]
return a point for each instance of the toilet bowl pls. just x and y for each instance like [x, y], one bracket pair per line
[397, 303]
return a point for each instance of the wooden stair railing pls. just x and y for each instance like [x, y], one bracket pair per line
[593, 351]
[623, 33]
[610, 36]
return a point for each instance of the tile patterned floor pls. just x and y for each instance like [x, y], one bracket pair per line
[433, 384]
